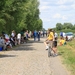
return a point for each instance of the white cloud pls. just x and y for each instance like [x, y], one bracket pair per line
[73, 21]
[44, 8]
[53, 11]
[60, 17]
[73, 6]
[63, 7]
[64, 18]
[62, 2]
[44, 5]
[57, 16]
[46, 19]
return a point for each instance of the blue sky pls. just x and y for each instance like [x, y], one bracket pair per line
[57, 11]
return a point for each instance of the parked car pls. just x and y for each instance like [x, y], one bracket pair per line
[69, 36]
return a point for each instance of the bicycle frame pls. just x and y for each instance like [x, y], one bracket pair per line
[49, 50]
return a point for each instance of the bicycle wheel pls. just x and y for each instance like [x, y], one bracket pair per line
[49, 52]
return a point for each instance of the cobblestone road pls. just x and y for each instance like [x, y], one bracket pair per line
[30, 59]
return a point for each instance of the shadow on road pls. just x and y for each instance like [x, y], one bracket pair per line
[32, 41]
[26, 46]
[2, 56]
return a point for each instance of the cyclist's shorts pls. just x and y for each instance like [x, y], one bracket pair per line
[50, 42]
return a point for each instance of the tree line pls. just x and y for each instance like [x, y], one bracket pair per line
[19, 15]
[66, 27]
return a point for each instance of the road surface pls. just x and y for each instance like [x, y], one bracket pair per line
[30, 59]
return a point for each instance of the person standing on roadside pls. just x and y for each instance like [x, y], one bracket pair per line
[19, 38]
[27, 35]
[38, 35]
[2, 43]
[35, 35]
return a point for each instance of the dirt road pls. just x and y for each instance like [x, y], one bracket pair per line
[30, 59]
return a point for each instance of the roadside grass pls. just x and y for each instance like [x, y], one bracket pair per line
[67, 53]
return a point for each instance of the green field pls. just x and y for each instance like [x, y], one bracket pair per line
[67, 53]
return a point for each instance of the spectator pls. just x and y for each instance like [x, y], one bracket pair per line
[43, 33]
[55, 35]
[62, 41]
[7, 41]
[19, 38]
[2, 43]
[38, 35]
[27, 35]
[12, 41]
[25, 40]
[61, 34]
[30, 34]
[13, 34]
[35, 35]
[46, 33]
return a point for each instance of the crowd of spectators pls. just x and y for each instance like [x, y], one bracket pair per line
[8, 41]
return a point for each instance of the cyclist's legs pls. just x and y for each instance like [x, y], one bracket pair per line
[46, 43]
[51, 44]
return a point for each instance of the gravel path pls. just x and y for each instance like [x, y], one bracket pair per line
[30, 59]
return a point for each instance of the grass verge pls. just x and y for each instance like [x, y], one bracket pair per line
[67, 53]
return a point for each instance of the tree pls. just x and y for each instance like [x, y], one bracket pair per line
[59, 26]
[67, 26]
[19, 15]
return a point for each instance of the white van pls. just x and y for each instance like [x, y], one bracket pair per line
[69, 35]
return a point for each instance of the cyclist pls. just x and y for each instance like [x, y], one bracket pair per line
[49, 39]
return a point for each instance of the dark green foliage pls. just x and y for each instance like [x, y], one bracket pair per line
[66, 27]
[19, 14]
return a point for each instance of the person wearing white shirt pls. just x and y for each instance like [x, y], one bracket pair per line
[19, 38]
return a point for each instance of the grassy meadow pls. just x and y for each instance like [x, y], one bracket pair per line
[67, 53]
